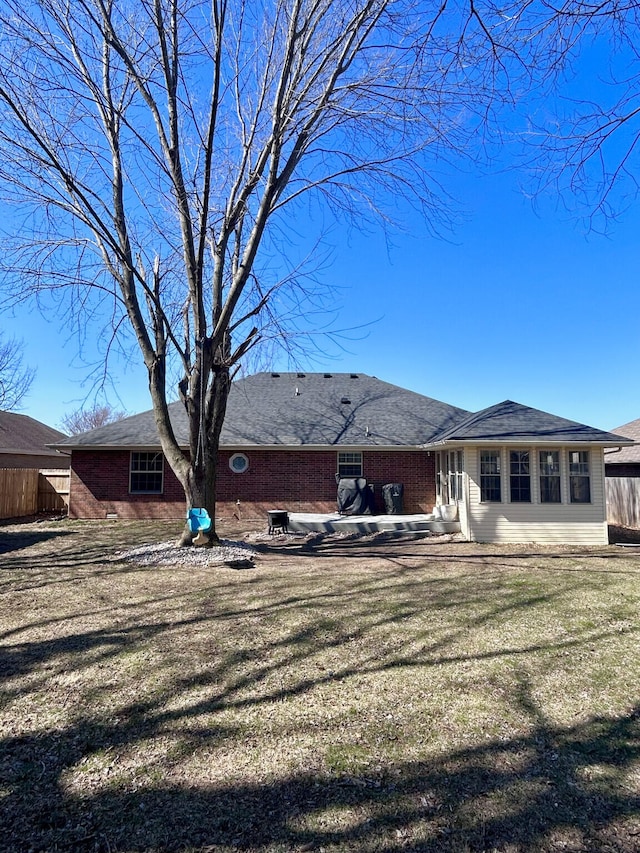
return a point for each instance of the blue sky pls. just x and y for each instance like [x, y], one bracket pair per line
[519, 304]
[523, 305]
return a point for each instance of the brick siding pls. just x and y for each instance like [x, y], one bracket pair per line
[295, 480]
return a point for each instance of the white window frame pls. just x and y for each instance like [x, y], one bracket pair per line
[570, 468]
[498, 454]
[543, 472]
[520, 468]
[455, 469]
[138, 470]
[239, 463]
[582, 471]
[347, 460]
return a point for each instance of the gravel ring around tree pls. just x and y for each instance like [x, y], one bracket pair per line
[242, 554]
[169, 554]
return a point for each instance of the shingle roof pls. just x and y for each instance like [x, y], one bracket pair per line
[347, 409]
[627, 454]
[296, 409]
[24, 435]
[332, 409]
[512, 422]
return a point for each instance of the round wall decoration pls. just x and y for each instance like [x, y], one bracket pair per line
[239, 463]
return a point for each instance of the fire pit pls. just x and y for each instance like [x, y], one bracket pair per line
[278, 521]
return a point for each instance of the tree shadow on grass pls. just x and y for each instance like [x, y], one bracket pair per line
[433, 550]
[552, 788]
[549, 788]
[18, 540]
[544, 791]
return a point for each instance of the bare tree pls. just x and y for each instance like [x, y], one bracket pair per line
[166, 152]
[584, 119]
[85, 419]
[15, 377]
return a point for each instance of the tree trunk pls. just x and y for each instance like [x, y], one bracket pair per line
[201, 476]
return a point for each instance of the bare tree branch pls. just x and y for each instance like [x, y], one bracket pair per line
[15, 377]
[583, 136]
[83, 420]
[161, 148]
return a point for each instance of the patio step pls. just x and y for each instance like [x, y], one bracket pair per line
[306, 522]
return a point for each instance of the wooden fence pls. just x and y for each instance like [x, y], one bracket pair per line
[623, 501]
[27, 491]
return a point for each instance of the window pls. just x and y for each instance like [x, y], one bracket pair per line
[239, 463]
[490, 475]
[579, 479]
[549, 476]
[520, 476]
[454, 475]
[146, 473]
[350, 464]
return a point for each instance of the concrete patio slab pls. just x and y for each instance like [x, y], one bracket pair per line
[306, 522]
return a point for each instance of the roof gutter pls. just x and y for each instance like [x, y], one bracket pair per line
[247, 448]
[532, 440]
[20, 452]
[621, 447]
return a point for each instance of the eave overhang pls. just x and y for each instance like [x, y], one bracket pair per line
[525, 440]
[246, 448]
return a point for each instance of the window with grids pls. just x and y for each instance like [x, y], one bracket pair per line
[520, 476]
[579, 477]
[145, 473]
[350, 464]
[454, 475]
[490, 489]
[550, 476]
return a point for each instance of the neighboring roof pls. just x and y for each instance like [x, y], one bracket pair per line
[627, 455]
[20, 434]
[300, 410]
[510, 422]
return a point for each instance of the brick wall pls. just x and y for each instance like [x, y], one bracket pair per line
[100, 486]
[295, 480]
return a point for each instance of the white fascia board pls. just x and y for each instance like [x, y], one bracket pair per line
[247, 448]
[152, 448]
[520, 442]
[338, 448]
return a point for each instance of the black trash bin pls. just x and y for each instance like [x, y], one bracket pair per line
[392, 496]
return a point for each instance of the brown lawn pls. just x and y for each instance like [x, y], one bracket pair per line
[359, 695]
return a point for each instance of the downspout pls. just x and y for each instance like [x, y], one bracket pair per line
[611, 450]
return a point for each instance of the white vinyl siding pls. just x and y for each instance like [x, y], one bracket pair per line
[538, 521]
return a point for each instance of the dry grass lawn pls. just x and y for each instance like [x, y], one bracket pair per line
[363, 695]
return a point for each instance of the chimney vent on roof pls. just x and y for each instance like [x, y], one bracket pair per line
[346, 401]
[297, 391]
[275, 376]
[328, 376]
[354, 376]
[301, 375]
